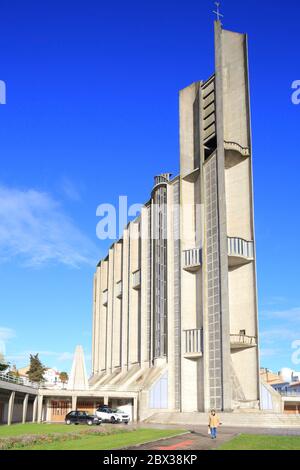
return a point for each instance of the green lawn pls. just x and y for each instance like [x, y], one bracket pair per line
[261, 442]
[35, 428]
[114, 441]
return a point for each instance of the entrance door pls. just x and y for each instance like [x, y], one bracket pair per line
[59, 409]
[88, 406]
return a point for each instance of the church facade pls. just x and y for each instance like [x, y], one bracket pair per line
[175, 299]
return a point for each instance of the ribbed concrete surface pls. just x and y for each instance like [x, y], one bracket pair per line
[246, 419]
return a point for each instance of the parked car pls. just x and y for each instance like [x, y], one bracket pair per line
[108, 415]
[82, 417]
[122, 415]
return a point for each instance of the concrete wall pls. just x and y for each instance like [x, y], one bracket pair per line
[270, 399]
[238, 200]
[134, 297]
[188, 96]
[242, 300]
[239, 203]
[117, 308]
[235, 88]
[246, 375]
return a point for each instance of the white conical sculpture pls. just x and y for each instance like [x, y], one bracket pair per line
[78, 378]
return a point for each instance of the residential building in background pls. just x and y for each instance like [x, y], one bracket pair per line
[175, 299]
[51, 377]
[287, 386]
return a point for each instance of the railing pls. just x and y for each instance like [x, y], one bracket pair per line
[192, 258]
[136, 279]
[193, 341]
[119, 289]
[237, 147]
[288, 393]
[240, 247]
[105, 297]
[161, 179]
[243, 340]
[7, 377]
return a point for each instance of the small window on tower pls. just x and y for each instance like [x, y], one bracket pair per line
[210, 147]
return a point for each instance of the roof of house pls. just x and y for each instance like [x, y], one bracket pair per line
[296, 384]
[271, 378]
[23, 370]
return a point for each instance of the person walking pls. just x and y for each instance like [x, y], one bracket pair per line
[213, 424]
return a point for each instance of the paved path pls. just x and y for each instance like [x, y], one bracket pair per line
[198, 439]
[195, 440]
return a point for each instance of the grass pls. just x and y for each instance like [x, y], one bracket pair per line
[262, 442]
[116, 438]
[114, 441]
[35, 428]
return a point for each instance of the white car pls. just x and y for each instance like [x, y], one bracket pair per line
[124, 417]
[108, 415]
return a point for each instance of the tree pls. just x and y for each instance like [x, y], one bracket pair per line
[36, 369]
[13, 371]
[3, 364]
[63, 377]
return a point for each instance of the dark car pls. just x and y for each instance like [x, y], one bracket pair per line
[82, 417]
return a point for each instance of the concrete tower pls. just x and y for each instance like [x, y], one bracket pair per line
[175, 308]
[216, 170]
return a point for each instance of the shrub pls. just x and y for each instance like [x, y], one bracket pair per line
[28, 440]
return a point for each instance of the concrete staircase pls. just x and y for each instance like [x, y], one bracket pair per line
[253, 419]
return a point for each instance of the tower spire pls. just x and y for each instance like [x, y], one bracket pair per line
[217, 12]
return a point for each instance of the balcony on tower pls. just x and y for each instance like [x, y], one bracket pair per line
[162, 179]
[239, 251]
[192, 259]
[234, 153]
[193, 343]
[242, 341]
[136, 280]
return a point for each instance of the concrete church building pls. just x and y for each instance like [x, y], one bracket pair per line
[175, 300]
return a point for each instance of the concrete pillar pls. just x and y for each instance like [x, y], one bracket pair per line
[25, 407]
[34, 410]
[105, 400]
[48, 414]
[74, 402]
[11, 408]
[135, 409]
[40, 408]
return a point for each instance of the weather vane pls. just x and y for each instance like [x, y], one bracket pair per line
[219, 15]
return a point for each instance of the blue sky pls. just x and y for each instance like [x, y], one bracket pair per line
[93, 86]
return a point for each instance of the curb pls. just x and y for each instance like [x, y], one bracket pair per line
[153, 441]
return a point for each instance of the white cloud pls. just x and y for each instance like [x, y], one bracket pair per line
[65, 356]
[70, 190]
[268, 352]
[281, 330]
[54, 359]
[23, 356]
[291, 315]
[274, 300]
[278, 334]
[5, 335]
[35, 229]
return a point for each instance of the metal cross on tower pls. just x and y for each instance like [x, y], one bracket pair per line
[219, 15]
